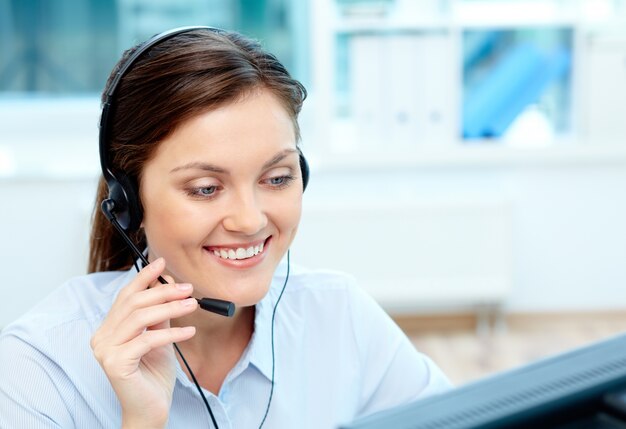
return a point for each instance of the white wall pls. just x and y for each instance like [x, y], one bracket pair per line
[568, 229]
[569, 223]
[44, 233]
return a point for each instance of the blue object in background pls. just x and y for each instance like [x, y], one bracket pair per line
[479, 45]
[518, 79]
[554, 67]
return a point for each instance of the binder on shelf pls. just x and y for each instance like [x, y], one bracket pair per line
[400, 89]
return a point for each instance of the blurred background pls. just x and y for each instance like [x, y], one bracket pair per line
[468, 156]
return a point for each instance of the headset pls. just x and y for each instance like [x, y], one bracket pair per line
[123, 192]
[123, 207]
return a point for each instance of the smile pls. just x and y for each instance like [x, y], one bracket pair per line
[238, 253]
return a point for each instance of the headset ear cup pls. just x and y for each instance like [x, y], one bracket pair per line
[133, 209]
[304, 170]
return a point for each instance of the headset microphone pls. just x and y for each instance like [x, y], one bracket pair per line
[218, 306]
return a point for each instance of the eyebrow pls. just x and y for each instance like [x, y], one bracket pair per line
[199, 166]
[278, 157]
[215, 169]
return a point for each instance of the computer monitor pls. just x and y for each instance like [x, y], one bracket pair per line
[583, 388]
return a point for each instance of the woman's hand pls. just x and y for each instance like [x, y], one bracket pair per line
[134, 345]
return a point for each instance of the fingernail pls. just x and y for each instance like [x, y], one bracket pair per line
[183, 286]
[188, 329]
[188, 302]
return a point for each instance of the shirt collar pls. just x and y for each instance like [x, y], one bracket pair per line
[259, 351]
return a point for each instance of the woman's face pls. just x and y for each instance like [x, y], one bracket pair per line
[222, 198]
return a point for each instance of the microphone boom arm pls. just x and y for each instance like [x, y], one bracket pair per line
[218, 306]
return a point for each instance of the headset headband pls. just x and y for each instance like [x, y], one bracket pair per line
[110, 94]
[123, 201]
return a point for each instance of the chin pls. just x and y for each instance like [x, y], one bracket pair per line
[243, 292]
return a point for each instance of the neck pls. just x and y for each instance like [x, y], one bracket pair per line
[213, 329]
[217, 346]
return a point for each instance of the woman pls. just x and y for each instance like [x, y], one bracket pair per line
[201, 125]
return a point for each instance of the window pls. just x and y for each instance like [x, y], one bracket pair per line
[69, 46]
[55, 57]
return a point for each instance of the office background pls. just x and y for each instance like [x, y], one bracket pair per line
[467, 155]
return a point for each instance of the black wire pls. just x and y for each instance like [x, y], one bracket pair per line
[269, 401]
[107, 207]
[193, 376]
[273, 361]
[195, 381]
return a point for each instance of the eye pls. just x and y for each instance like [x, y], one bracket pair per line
[208, 190]
[202, 191]
[279, 182]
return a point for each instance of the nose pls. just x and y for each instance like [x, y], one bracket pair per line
[245, 216]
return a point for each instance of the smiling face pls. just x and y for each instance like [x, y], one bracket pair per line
[222, 198]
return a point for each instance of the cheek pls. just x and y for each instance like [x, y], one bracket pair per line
[288, 215]
[175, 219]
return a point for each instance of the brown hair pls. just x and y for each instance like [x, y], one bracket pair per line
[175, 80]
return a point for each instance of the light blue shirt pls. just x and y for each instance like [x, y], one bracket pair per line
[338, 357]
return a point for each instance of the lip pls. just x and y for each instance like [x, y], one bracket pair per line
[241, 263]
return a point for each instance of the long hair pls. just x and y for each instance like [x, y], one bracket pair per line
[188, 74]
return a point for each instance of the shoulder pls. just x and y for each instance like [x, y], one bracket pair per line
[337, 314]
[334, 299]
[46, 363]
[85, 299]
[323, 284]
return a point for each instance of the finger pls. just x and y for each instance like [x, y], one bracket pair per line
[142, 281]
[145, 278]
[154, 339]
[110, 335]
[139, 320]
[122, 360]
[146, 298]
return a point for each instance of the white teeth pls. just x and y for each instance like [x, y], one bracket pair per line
[239, 253]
